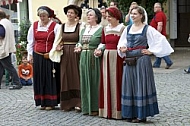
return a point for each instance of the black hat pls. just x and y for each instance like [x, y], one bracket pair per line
[77, 8]
[50, 11]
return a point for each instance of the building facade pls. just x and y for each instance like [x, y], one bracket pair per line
[177, 11]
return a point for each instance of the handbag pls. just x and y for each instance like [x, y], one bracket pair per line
[46, 55]
[131, 61]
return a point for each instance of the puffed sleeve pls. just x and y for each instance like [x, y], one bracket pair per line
[158, 44]
[122, 43]
[82, 29]
[102, 44]
[55, 55]
[56, 29]
[30, 39]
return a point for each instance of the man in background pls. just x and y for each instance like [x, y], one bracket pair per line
[112, 4]
[159, 23]
[7, 46]
[104, 21]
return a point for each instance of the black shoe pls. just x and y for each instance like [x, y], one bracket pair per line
[168, 66]
[139, 121]
[13, 87]
[186, 71]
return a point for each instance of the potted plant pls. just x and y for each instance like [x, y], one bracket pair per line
[22, 40]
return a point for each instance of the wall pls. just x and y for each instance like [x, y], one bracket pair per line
[56, 5]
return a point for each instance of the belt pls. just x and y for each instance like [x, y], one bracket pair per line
[41, 53]
[134, 57]
[137, 47]
[69, 43]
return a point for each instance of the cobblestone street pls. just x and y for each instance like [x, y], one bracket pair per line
[173, 89]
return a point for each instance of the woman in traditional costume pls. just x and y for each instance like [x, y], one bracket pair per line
[111, 67]
[66, 39]
[139, 98]
[90, 38]
[40, 38]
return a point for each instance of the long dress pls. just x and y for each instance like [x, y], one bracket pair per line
[89, 69]
[139, 98]
[69, 70]
[46, 84]
[111, 74]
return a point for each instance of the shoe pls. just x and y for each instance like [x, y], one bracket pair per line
[138, 120]
[77, 109]
[94, 113]
[49, 108]
[13, 87]
[168, 66]
[186, 71]
[129, 119]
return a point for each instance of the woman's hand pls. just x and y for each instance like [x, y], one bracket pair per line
[77, 49]
[30, 59]
[97, 52]
[59, 47]
[146, 52]
[123, 49]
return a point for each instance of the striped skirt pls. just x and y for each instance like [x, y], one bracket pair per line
[46, 87]
[139, 98]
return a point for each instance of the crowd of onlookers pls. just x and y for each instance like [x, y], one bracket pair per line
[98, 67]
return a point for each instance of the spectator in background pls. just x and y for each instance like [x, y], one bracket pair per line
[25, 72]
[188, 70]
[128, 19]
[7, 42]
[159, 23]
[7, 75]
[104, 22]
[115, 4]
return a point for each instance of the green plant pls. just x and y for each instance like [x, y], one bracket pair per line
[22, 40]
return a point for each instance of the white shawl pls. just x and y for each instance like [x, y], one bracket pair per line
[55, 55]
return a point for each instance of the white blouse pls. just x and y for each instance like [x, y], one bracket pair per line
[158, 44]
[117, 28]
[90, 30]
[30, 36]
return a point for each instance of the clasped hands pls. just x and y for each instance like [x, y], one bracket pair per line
[97, 52]
[77, 49]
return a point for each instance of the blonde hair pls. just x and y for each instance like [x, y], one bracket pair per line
[134, 3]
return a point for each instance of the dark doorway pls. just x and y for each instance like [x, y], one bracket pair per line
[183, 23]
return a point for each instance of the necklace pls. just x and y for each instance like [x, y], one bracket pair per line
[44, 24]
[92, 27]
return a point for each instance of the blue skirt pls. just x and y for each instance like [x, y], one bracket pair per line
[139, 98]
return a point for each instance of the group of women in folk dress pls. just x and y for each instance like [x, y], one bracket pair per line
[104, 71]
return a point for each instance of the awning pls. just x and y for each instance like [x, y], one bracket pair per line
[5, 2]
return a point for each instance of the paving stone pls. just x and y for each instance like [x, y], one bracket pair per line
[173, 90]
